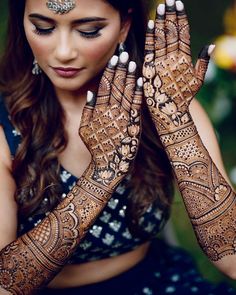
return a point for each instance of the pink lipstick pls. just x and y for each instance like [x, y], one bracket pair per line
[66, 72]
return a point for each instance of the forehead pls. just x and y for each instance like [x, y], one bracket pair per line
[82, 8]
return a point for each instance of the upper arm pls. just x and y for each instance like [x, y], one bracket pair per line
[207, 134]
[8, 207]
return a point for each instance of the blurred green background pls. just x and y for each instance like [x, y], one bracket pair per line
[211, 21]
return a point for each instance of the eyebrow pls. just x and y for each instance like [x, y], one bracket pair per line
[74, 22]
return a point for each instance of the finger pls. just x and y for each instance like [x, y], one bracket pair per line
[149, 41]
[149, 66]
[160, 36]
[88, 109]
[104, 90]
[184, 31]
[118, 85]
[138, 95]
[202, 63]
[135, 111]
[171, 27]
[129, 87]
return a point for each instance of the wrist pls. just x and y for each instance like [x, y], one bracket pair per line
[94, 189]
[178, 134]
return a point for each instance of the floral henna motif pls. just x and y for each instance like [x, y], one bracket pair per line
[35, 258]
[170, 80]
[111, 133]
[170, 83]
[208, 198]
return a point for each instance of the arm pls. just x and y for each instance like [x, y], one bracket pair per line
[169, 73]
[8, 208]
[110, 127]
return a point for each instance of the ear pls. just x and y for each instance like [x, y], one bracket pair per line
[125, 27]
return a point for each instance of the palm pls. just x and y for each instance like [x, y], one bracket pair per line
[111, 129]
[170, 80]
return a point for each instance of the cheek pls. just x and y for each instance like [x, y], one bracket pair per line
[101, 51]
[38, 47]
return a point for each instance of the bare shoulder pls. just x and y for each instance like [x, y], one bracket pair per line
[5, 155]
[8, 207]
[207, 134]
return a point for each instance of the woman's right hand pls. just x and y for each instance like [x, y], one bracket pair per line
[110, 125]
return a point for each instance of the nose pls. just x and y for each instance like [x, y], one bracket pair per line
[65, 49]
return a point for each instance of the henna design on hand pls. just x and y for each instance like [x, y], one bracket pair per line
[110, 127]
[170, 80]
[170, 83]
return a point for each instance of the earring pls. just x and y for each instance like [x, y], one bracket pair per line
[121, 47]
[36, 68]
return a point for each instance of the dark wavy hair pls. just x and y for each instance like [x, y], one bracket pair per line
[37, 114]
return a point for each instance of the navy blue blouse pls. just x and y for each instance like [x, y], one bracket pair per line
[110, 235]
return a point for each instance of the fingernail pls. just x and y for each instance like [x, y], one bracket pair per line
[204, 53]
[161, 9]
[170, 5]
[179, 5]
[211, 49]
[151, 24]
[140, 82]
[124, 56]
[114, 60]
[170, 2]
[89, 96]
[132, 67]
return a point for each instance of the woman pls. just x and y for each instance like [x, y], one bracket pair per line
[60, 186]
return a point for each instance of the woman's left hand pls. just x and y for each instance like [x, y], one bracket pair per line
[170, 79]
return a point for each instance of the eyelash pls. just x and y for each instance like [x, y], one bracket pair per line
[92, 34]
[40, 31]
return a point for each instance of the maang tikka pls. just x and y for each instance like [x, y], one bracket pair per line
[61, 6]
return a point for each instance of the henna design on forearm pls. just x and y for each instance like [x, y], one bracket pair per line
[110, 127]
[34, 259]
[208, 198]
[169, 86]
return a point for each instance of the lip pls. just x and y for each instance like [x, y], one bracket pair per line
[66, 72]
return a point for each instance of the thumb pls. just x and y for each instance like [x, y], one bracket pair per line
[202, 62]
[88, 109]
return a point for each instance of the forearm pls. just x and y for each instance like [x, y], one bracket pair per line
[35, 258]
[208, 198]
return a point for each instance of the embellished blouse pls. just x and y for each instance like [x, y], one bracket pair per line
[109, 235]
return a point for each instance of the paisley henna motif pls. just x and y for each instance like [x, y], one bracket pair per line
[110, 127]
[169, 86]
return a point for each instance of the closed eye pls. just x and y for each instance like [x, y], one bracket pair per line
[90, 34]
[41, 31]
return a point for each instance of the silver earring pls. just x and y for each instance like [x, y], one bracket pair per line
[121, 47]
[36, 68]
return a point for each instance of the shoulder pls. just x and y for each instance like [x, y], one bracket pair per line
[5, 153]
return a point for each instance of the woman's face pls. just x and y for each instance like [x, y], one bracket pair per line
[74, 48]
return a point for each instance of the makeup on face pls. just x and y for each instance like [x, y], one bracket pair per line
[74, 48]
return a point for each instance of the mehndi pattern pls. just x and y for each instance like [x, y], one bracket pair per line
[110, 128]
[170, 83]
